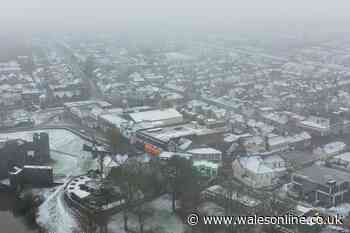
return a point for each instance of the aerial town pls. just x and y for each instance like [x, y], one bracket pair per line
[157, 131]
[100, 134]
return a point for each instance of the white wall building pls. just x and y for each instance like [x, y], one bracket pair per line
[258, 172]
[206, 153]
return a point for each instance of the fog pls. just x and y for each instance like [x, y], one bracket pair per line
[89, 14]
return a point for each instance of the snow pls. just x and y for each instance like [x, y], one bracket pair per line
[208, 164]
[342, 209]
[44, 116]
[177, 56]
[55, 215]
[66, 151]
[59, 139]
[303, 209]
[243, 199]
[74, 187]
[206, 150]
[278, 140]
[345, 156]
[317, 125]
[334, 147]
[156, 115]
[255, 164]
[68, 160]
[162, 219]
[258, 165]
[114, 119]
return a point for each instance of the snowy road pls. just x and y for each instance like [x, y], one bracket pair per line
[55, 216]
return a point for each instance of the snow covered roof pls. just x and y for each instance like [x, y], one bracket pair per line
[321, 174]
[334, 147]
[74, 187]
[243, 199]
[278, 140]
[113, 119]
[184, 143]
[205, 163]
[316, 123]
[276, 117]
[37, 167]
[155, 115]
[206, 150]
[102, 104]
[300, 137]
[165, 155]
[256, 164]
[230, 137]
[345, 156]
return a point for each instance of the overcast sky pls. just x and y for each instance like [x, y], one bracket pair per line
[30, 13]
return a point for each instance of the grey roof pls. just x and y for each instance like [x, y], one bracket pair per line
[321, 175]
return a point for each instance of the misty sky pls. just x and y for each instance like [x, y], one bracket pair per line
[34, 13]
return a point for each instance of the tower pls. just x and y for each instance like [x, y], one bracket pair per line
[44, 147]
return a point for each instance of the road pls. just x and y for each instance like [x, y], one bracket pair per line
[74, 62]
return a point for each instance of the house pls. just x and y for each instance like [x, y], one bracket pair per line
[206, 168]
[300, 141]
[341, 162]
[111, 120]
[277, 143]
[20, 153]
[258, 172]
[330, 149]
[315, 125]
[222, 196]
[206, 153]
[321, 185]
[85, 112]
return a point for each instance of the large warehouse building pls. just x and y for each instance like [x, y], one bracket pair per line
[159, 117]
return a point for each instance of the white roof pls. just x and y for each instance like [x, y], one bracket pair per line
[113, 119]
[206, 150]
[74, 187]
[102, 104]
[244, 199]
[334, 147]
[345, 156]
[206, 164]
[167, 155]
[155, 115]
[303, 209]
[80, 193]
[300, 137]
[37, 167]
[257, 165]
[278, 140]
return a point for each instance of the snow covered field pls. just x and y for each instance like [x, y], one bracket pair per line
[162, 219]
[56, 216]
[66, 150]
[69, 160]
[60, 139]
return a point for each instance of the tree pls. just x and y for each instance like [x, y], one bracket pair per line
[142, 212]
[183, 180]
[116, 141]
[129, 177]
